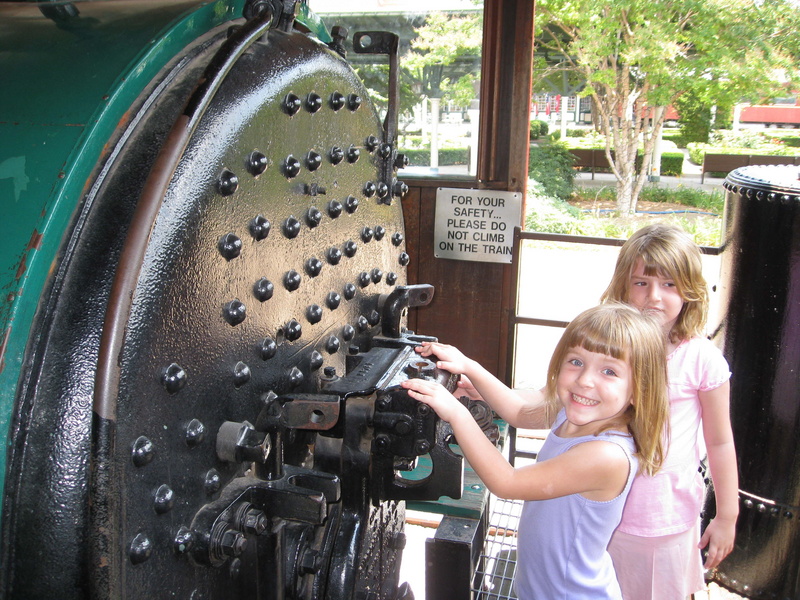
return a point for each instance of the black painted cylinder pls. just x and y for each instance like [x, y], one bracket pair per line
[761, 341]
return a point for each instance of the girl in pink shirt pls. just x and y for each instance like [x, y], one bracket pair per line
[655, 549]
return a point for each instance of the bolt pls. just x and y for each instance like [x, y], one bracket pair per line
[140, 549]
[313, 102]
[259, 228]
[334, 209]
[174, 378]
[257, 163]
[314, 313]
[255, 521]
[291, 227]
[229, 246]
[291, 167]
[235, 312]
[142, 452]
[310, 562]
[291, 280]
[369, 189]
[333, 300]
[227, 183]
[336, 100]
[196, 431]
[292, 104]
[232, 543]
[263, 289]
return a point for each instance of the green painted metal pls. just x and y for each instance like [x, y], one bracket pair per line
[56, 118]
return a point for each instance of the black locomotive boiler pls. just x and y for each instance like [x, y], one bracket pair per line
[204, 309]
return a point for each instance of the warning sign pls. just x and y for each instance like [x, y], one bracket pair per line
[476, 225]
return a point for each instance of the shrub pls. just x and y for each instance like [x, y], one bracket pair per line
[544, 127]
[550, 164]
[536, 130]
[447, 156]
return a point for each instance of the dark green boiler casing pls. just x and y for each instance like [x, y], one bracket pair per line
[204, 301]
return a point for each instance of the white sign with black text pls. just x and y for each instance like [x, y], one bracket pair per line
[476, 225]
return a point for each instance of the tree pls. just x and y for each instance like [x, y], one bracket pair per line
[639, 56]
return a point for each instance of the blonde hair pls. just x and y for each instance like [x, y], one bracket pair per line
[620, 331]
[665, 251]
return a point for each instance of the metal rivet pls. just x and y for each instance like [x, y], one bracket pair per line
[229, 246]
[257, 163]
[183, 540]
[241, 374]
[397, 239]
[227, 182]
[349, 291]
[373, 318]
[196, 431]
[263, 289]
[164, 499]
[336, 100]
[350, 248]
[268, 348]
[366, 234]
[380, 231]
[748, 503]
[313, 266]
[173, 378]
[353, 101]
[259, 228]
[399, 189]
[385, 151]
[403, 259]
[353, 154]
[140, 549]
[315, 361]
[348, 332]
[382, 189]
[293, 330]
[332, 345]
[400, 161]
[363, 279]
[143, 451]
[291, 104]
[313, 216]
[362, 323]
[291, 280]
[291, 167]
[336, 155]
[391, 277]
[295, 377]
[334, 255]
[333, 300]
[371, 143]
[235, 568]
[334, 209]
[313, 160]
[351, 204]
[313, 102]
[369, 189]
[291, 227]
[376, 274]
[314, 313]
[212, 482]
[234, 312]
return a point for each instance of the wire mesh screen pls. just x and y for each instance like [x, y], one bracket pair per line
[494, 577]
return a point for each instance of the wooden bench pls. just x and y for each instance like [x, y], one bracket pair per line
[725, 163]
[593, 158]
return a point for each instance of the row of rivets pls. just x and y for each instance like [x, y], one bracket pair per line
[786, 511]
[313, 102]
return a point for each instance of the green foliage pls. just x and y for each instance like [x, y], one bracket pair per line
[550, 164]
[447, 156]
[741, 142]
[672, 163]
[695, 116]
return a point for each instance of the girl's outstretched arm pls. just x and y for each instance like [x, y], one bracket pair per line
[525, 409]
[721, 531]
[598, 469]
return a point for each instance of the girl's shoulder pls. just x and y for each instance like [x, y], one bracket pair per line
[699, 362]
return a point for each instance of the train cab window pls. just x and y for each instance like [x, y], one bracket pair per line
[439, 74]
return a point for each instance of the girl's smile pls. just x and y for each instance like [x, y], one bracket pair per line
[594, 389]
